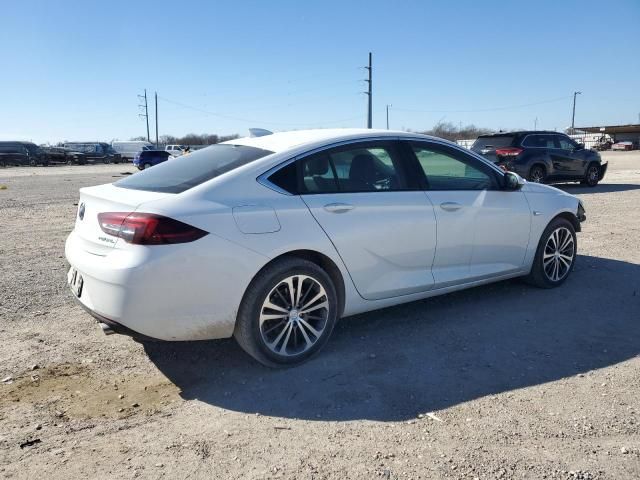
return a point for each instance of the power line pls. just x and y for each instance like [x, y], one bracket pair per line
[253, 121]
[494, 109]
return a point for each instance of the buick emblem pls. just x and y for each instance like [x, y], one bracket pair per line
[81, 211]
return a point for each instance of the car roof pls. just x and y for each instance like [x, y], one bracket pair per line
[518, 132]
[283, 141]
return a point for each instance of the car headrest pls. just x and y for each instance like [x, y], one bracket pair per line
[318, 165]
[362, 167]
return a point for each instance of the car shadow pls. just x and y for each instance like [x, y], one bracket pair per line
[392, 364]
[577, 189]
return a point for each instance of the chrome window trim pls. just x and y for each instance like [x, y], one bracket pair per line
[263, 179]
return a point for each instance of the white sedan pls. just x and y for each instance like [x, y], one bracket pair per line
[271, 239]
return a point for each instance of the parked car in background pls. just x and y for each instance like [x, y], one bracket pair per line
[272, 239]
[22, 153]
[150, 158]
[622, 146]
[128, 150]
[95, 151]
[175, 150]
[542, 157]
[63, 155]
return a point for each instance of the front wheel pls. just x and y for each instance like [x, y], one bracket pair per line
[592, 176]
[555, 256]
[287, 313]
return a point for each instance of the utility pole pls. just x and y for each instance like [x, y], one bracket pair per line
[388, 105]
[156, 120]
[573, 115]
[146, 112]
[370, 94]
[535, 124]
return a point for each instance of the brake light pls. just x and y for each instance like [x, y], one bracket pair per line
[148, 228]
[508, 152]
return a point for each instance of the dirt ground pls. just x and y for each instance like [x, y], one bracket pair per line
[502, 381]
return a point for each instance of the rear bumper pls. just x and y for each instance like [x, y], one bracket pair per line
[179, 292]
[111, 326]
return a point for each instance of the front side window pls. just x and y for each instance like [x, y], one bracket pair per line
[566, 143]
[448, 170]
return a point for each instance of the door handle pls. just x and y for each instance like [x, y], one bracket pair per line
[338, 207]
[450, 206]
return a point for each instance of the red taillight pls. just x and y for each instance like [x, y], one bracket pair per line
[147, 228]
[508, 152]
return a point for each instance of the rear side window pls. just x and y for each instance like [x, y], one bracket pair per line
[539, 140]
[499, 141]
[356, 168]
[199, 167]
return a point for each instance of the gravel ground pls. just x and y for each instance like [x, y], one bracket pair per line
[502, 381]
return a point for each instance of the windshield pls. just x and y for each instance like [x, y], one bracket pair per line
[494, 142]
[176, 176]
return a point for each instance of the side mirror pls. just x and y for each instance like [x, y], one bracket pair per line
[579, 146]
[512, 181]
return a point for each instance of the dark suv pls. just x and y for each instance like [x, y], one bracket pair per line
[542, 157]
[95, 151]
[21, 153]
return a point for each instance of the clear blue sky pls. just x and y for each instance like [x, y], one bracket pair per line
[72, 69]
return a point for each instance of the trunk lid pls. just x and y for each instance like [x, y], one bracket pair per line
[487, 145]
[106, 198]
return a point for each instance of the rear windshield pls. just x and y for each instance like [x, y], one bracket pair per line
[492, 142]
[187, 171]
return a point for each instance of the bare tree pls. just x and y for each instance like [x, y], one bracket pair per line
[449, 131]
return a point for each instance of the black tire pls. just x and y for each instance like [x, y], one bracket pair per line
[146, 165]
[592, 175]
[33, 163]
[537, 174]
[248, 331]
[540, 277]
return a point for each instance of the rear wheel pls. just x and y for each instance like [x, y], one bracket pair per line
[287, 313]
[592, 177]
[536, 174]
[555, 256]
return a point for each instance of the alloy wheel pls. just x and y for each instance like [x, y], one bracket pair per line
[536, 175]
[592, 175]
[294, 315]
[559, 253]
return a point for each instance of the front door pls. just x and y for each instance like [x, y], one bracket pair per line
[382, 227]
[571, 157]
[483, 231]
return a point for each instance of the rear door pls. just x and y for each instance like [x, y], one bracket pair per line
[483, 231]
[369, 205]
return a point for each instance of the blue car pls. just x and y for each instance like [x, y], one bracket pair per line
[149, 158]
